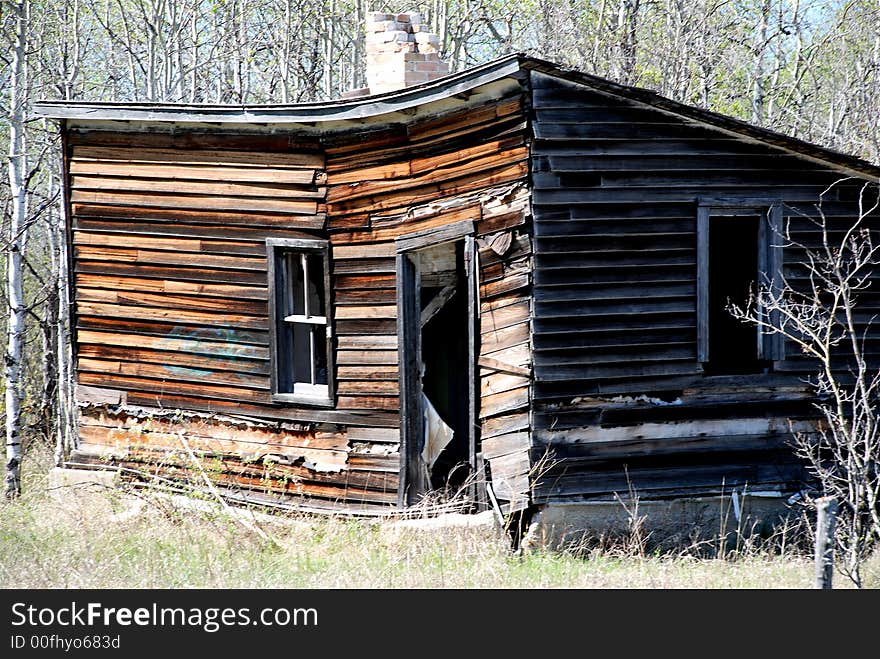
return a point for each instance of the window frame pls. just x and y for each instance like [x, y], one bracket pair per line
[275, 247]
[771, 346]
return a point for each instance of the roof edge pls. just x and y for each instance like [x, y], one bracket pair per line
[853, 164]
[335, 110]
[458, 83]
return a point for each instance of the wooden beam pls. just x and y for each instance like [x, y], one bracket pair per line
[498, 365]
[703, 283]
[437, 303]
[435, 236]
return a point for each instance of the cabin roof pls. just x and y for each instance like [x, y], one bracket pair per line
[460, 87]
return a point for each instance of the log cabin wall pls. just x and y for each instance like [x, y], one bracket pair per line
[620, 397]
[168, 227]
[169, 233]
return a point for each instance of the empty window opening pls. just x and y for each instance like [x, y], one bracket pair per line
[733, 271]
[301, 332]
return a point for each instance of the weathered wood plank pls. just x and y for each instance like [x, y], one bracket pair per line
[347, 357]
[170, 272]
[147, 385]
[503, 424]
[494, 447]
[370, 418]
[204, 157]
[402, 199]
[501, 382]
[159, 286]
[172, 315]
[208, 188]
[153, 241]
[188, 302]
[159, 257]
[359, 312]
[174, 372]
[372, 372]
[207, 202]
[273, 220]
[168, 171]
[194, 346]
[508, 401]
[203, 363]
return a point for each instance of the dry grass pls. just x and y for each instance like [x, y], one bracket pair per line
[102, 538]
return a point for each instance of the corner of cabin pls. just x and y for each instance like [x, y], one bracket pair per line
[645, 223]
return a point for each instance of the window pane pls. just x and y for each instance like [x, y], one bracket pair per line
[297, 287]
[302, 360]
[316, 283]
[320, 337]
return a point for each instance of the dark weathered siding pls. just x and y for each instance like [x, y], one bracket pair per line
[616, 188]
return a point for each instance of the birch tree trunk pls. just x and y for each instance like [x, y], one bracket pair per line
[17, 167]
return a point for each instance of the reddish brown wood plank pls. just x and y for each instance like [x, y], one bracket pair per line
[158, 257]
[201, 216]
[409, 197]
[109, 282]
[162, 200]
[172, 315]
[208, 188]
[153, 241]
[236, 364]
[194, 346]
[125, 147]
[171, 372]
[167, 171]
[148, 385]
[188, 302]
[374, 372]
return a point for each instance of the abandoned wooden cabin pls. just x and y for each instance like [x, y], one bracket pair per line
[538, 257]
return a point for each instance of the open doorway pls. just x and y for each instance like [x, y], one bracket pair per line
[444, 341]
[437, 335]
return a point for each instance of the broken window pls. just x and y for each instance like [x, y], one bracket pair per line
[301, 347]
[737, 253]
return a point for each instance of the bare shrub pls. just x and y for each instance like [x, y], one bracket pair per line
[820, 313]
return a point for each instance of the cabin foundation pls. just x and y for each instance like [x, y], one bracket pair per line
[679, 522]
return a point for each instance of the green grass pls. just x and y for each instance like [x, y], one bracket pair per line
[103, 538]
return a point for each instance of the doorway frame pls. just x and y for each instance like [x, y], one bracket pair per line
[409, 334]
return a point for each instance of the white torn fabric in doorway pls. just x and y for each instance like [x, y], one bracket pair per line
[437, 433]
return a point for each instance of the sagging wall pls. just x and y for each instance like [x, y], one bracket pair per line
[621, 399]
[466, 165]
[169, 262]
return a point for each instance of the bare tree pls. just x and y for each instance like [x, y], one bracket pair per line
[817, 309]
[17, 168]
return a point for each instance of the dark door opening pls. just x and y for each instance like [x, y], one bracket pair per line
[436, 333]
[733, 271]
[445, 357]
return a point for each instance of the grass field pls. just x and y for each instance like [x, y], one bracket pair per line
[104, 538]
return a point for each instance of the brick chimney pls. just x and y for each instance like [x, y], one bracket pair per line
[401, 52]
